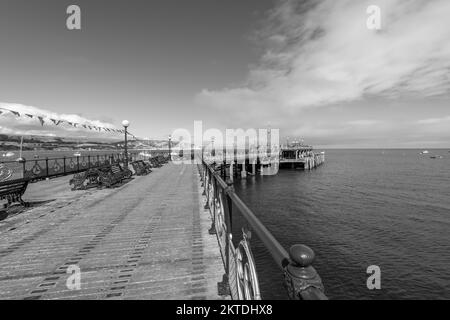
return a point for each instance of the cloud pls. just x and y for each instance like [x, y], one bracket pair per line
[320, 53]
[434, 120]
[23, 125]
[363, 123]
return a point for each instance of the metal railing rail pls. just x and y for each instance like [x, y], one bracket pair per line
[241, 280]
[51, 167]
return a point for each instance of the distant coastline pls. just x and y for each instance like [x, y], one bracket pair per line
[46, 143]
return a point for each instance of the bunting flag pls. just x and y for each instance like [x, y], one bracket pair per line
[57, 122]
[41, 120]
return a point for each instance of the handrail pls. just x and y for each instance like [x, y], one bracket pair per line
[42, 168]
[277, 251]
[300, 278]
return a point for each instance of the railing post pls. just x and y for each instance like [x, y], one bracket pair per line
[64, 162]
[212, 230]
[78, 163]
[24, 167]
[206, 188]
[228, 214]
[203, 174]
[301, 279]
[89, 161]
[46, 166]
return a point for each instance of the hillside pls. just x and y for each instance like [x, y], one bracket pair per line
[12, 142]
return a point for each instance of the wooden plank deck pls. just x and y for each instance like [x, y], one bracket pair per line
[147, 239]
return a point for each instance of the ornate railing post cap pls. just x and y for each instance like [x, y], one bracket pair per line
[301, 255]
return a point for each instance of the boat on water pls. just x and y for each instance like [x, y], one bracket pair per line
[425, 152]
[437, 157]
[77, 154]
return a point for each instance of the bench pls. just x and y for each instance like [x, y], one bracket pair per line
[141, 168]
[158, 161]
[113, 175]
[154, 163]
[85, 180]
[12, 191]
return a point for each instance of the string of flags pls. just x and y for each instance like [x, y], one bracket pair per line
[43, 120]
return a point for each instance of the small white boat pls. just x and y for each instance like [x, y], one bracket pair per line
[77, 154]
[425, 152]
[8, 154]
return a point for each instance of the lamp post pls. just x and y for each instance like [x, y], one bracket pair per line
[125, 124]
[170, 147]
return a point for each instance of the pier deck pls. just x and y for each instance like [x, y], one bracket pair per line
[147, 239]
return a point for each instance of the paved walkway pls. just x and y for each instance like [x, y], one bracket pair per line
[147, 239]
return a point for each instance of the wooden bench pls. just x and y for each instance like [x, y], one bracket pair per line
[141, 168]
[86, 179]
[12, 191]
[114, 175]
[158, 161]
[148, 166]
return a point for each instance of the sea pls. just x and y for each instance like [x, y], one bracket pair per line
[385, 208]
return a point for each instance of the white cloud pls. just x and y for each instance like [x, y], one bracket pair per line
[11, 124]
[434, 120]
[363, 122]
[319, 53]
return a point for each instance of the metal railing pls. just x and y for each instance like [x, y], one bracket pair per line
[241, 280]
[43, 168]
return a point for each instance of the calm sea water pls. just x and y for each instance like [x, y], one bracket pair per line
[388, 208]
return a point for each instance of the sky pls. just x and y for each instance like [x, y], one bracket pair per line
[309, 68]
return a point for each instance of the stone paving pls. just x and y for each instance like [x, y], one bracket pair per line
[147, 239]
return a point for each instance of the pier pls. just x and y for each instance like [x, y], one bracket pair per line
[147, 239]
[165, 235]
